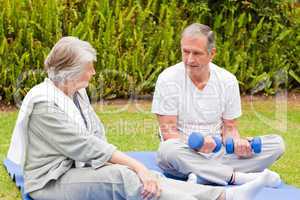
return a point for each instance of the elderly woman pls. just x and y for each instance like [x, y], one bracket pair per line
[66, 154]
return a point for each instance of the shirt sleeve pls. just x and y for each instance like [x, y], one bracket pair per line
[165, 98]
[233, 108]
[52, 124]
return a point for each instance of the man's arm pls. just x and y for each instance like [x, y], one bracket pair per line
[241, 146]
[230, 129]
[168, 126]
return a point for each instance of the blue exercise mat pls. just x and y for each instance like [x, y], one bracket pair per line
[16, 175]
[285, 192]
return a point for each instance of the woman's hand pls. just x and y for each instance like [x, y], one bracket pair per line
[151, 186]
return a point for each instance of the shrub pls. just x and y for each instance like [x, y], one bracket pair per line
[258, 41]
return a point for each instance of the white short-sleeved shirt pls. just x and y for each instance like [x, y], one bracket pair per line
[197, 110]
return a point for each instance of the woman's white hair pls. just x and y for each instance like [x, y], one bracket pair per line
[67, 58]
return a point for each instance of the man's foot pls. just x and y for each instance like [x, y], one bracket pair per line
[242, 178]
[192, 178]
[249, 190]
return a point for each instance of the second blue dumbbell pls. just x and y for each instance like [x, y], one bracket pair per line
[196, 141]
[255, 143]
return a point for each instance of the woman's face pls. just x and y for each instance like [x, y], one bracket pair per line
[83, 79]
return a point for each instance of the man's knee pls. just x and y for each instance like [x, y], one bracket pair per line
[278, 145]
[281, 146]
[167, 151]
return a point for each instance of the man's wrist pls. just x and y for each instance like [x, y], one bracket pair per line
[229, 135]
[168, 136]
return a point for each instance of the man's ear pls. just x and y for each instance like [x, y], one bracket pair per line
[213, 53]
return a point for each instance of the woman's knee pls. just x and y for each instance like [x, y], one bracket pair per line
[119, 180]
[131, 182]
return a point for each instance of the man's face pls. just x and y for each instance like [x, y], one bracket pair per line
[194, 52]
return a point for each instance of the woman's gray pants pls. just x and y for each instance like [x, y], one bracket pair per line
[117, 182]
[177, 159]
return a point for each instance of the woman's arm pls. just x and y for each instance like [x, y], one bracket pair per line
[150, 183]
[53, 126]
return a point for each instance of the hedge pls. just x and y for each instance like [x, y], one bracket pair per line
[257, 40]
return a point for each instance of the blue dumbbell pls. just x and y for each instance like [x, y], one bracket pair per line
[255, 143]
[196, 141]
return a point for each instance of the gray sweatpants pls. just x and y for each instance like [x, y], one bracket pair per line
[177, 159]
[117, 182]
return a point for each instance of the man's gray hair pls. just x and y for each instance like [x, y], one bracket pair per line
[196, 30]
[67, 58]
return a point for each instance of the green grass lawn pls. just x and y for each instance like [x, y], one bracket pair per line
[131, 127]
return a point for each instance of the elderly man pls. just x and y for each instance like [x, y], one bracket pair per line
[196, 95]
[61, 145]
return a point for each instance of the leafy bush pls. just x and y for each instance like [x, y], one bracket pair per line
[136, 39]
